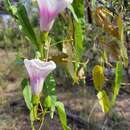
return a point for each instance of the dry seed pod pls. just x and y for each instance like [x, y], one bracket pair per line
[98, 77]
[102, 18]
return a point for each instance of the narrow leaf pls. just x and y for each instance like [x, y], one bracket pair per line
[122, 45]
[73, 13]
[78, 38]
[118, 80]
[26, 25]
[62, 115]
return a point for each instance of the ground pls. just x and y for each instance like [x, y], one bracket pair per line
[14, 114]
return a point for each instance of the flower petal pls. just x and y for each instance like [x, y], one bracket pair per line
[49, 9]
[38, 71]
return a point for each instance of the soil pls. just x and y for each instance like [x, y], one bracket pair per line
[82, 101]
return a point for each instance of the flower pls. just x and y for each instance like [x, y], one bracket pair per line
[38, 71]
[49, 9]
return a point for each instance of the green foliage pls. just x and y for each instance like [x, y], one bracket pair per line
[51, 101]
[7, 5]
[27, 93]
[73, 13]
[48, 102]
[105, 36]
[10, 8]
[49, 86]
[78, 38]
[1, 36]
[49, 91]
[118, 80]
[26, 26]
[122, 45]
[62, 115]
[79, 8]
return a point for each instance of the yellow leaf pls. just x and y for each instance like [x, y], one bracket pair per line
[98, 77]
[104, 101]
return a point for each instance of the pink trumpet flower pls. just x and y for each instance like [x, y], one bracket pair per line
[49, 9]
[38, 71]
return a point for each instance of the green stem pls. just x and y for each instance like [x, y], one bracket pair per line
[44, 38]
[32, 125]
[42, 51]
[47, 50]
[42, 120]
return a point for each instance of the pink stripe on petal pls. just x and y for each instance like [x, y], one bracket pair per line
[49, 9]
[46, 19]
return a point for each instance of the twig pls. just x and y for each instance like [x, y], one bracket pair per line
[105, 122]
[94, 106]
[42, 121]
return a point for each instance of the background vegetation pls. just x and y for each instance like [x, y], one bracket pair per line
[93, 32]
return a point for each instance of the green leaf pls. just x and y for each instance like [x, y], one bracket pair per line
[7, 5]
[49, 90]
[32, 116]
[26, 25]
[78, 6]
[119, 76]
[10, 8]
[48, 102]
[14, 10]
[118, 80]
[27, 93]
[62, 115]
[32, 119]
[127, 28]
[122, 39]
[78, 38]
[53, 106]
[49, 86]
[73, 13]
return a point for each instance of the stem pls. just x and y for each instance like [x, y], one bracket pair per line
[41, 106]
[60, 42]
[47, 49]
[42, 51]
[91, 112]
[32, 125]
[44, 38]
[42, 120]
